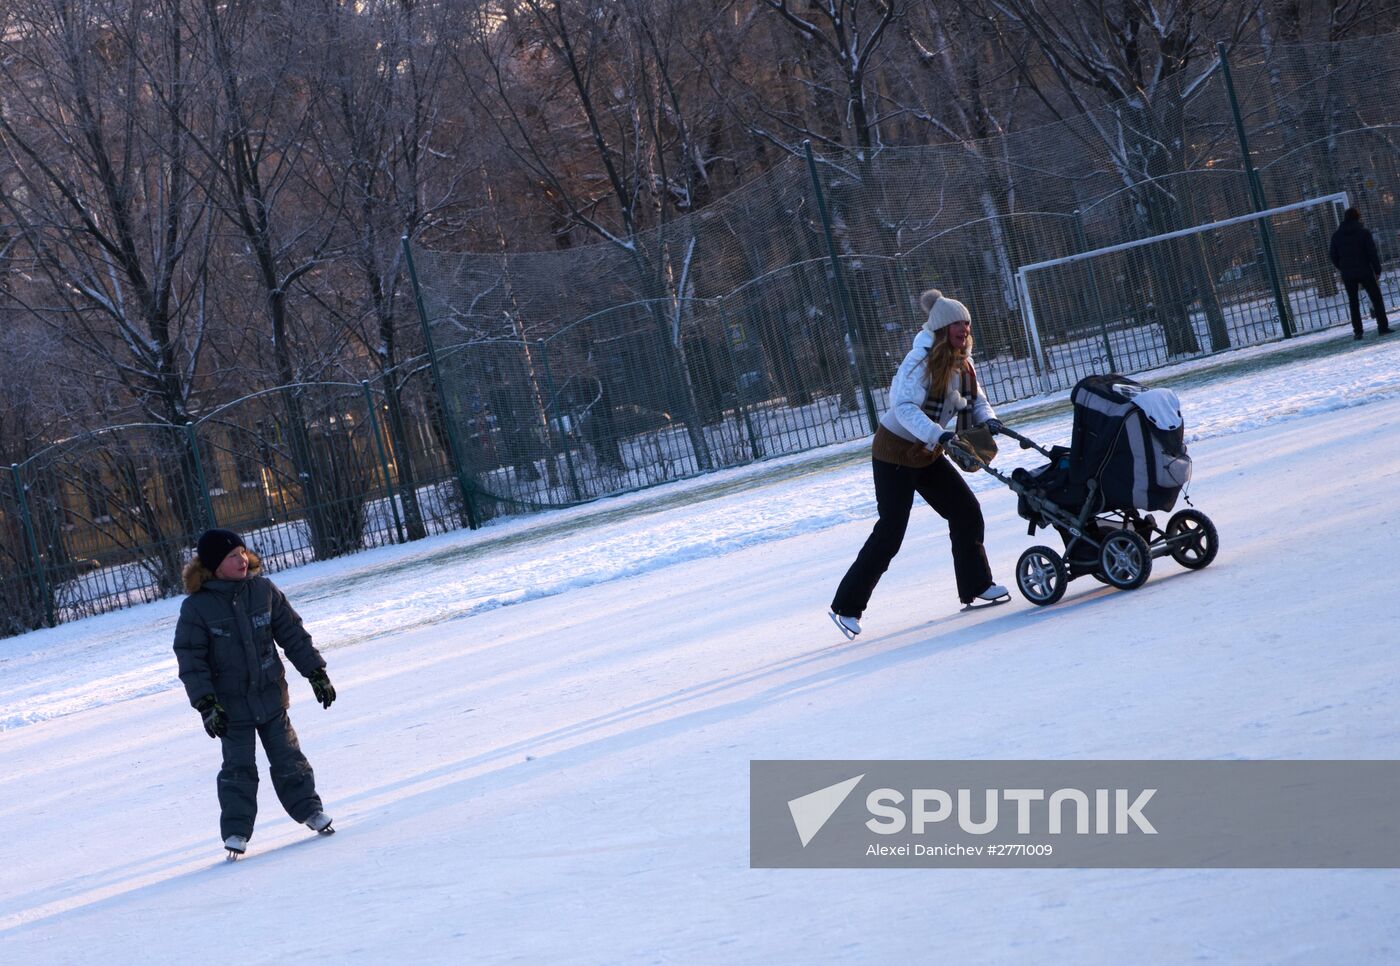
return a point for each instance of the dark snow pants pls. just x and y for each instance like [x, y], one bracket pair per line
[1373, 292]
[942, 488]
[238, 779]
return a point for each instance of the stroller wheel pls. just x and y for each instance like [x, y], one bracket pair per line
[1125, 560]
[1199, 542]
[1041, 576]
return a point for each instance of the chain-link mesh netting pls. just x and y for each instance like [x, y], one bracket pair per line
[766, 323]
[772, 320]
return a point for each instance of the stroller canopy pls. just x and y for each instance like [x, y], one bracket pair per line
[1131, 440]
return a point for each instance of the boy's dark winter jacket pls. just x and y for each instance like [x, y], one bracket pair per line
[224, 643]
[1353, 252]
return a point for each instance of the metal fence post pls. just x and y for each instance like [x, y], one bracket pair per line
[755, 446]
[383, 460]
[1039, 355]
[1081, 240]
[45, 598]
[1256, 196]
[560, 434]
[454, 446]
[901, 274]
[204, 501]
[843, 296]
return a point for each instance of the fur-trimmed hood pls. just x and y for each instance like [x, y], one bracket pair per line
[195, 573]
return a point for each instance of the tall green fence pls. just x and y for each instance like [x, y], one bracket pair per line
[309, 472]
[767, 323]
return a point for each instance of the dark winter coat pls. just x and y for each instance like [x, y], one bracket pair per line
[224, 643]
[1354, 252]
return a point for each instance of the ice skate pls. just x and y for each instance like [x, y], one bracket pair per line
[850, 626]
[992, 596]
[236, 845]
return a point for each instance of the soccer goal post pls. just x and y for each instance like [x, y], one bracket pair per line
[1144, 303]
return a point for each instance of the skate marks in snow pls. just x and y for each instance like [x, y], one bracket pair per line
[638, 724]
[144, 879]
[596, 516]
[479, 782]
[94, 887]
[251, 850]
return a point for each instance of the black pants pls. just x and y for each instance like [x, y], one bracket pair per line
[1373, 291]
[942, 488]
[238, 779]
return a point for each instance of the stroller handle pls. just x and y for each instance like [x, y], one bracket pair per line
[1026, 443]
[972, 458]
[1006, 479]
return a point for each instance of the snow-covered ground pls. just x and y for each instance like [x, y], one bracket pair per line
[540, 751]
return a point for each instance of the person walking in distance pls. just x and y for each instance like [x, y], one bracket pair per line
[236, 681]
[1353, 253]
[934, 383]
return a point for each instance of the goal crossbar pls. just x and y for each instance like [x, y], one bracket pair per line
[1028, 319]
[1339, 198]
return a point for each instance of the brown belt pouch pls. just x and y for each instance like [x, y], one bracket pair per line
[890, 448]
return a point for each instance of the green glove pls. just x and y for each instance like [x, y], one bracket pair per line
[214, 715]
[322, 687]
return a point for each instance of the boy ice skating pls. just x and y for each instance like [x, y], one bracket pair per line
[236, 681]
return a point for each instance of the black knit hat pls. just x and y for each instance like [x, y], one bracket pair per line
[214, 546]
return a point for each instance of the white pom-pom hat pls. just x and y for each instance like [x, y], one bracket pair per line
[942, 311]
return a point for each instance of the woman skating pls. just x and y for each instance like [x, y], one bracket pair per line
[934, 384]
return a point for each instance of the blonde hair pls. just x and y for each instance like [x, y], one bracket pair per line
[944, 362]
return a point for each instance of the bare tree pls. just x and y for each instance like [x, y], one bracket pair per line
[951, 82]
[384, 140]
[1306, 118]
[838, 50]
[612, 70]
[94, 125]
[23, 427]
[267, 94]
[848, 35]
[1127, 67]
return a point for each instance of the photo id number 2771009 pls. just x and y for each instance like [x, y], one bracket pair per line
[1020, 849]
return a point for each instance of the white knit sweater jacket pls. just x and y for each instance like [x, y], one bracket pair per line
[915, 417]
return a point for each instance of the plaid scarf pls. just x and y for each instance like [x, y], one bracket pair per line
[933, 406]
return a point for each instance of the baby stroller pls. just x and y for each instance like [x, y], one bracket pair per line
[1127, 456]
